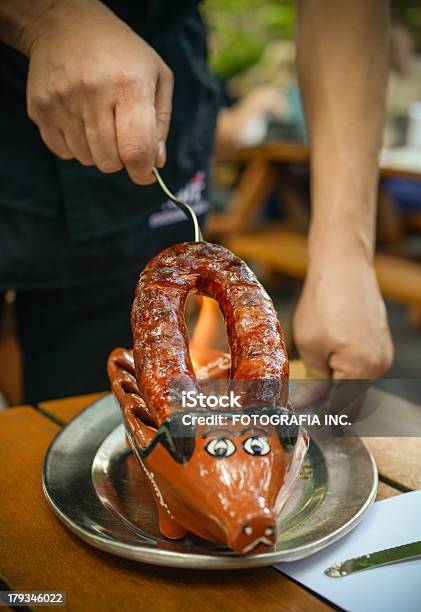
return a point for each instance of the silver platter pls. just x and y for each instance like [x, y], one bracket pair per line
[94, 485]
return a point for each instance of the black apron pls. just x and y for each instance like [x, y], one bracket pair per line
[63, 224]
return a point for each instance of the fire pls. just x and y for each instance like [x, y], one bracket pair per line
[208, 362]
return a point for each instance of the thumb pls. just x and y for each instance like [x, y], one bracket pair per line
[314, 360]
[317, 368]
[312, 352]
[347, 364]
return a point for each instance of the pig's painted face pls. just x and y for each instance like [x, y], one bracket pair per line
[224, 482]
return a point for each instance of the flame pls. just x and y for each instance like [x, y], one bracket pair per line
[205, 332]
[208, 362]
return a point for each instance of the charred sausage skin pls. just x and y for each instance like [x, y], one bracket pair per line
[160, 338]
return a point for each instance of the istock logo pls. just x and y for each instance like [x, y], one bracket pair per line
[191, 399]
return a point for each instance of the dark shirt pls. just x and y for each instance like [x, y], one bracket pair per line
[54, 213]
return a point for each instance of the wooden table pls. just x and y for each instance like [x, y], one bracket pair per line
[39, 553]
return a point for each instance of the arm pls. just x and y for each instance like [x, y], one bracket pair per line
[340, 324]
[96, 90]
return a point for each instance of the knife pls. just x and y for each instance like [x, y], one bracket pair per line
[375, 559]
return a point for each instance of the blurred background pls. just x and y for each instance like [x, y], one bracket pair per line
[260, 190]
[260, 184]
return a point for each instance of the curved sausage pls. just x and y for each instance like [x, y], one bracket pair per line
[160, 340]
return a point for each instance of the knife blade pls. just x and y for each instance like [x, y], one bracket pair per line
[375, 559]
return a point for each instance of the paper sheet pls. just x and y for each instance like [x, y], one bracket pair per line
[392, 588]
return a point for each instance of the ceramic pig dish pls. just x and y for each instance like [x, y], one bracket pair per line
[224, 476]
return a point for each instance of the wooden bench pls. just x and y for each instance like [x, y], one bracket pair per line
[285, 251]
[277, 246]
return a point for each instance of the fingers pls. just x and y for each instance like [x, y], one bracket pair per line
[346, 361]
[101, 136]
[364, 362]
[365, 355]
[69, 142]
[65, 136]
[111, 140]
[111, 128]
[135, 136]
[55, 141]
[137, 140]
[304, 393]
[75, 135]
[312, 348]
[163, 109]
[316, 362]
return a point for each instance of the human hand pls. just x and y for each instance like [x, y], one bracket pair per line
[340, 324]
[97, 91]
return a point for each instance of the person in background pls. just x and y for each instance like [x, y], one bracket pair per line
[404, 83]
[265, 92]
[404, 88]
[246, 122]
[75, 228]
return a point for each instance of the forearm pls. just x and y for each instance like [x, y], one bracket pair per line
[342, 62]
[19, 19]
[23, 21]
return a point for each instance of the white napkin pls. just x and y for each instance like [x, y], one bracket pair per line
[388, 523]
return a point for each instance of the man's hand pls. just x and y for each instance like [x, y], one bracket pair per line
[340, 324]
[96, 90]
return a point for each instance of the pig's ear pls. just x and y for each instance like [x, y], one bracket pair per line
[178, 439]
[287, 433]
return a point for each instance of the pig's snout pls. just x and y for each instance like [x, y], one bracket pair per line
[257, 534]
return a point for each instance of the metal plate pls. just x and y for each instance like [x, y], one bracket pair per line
[94, 485]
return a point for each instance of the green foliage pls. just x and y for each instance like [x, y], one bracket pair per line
[240, 30]
[409, 11]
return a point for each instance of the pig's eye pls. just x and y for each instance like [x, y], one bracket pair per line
[256, 445]
[220, 447]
